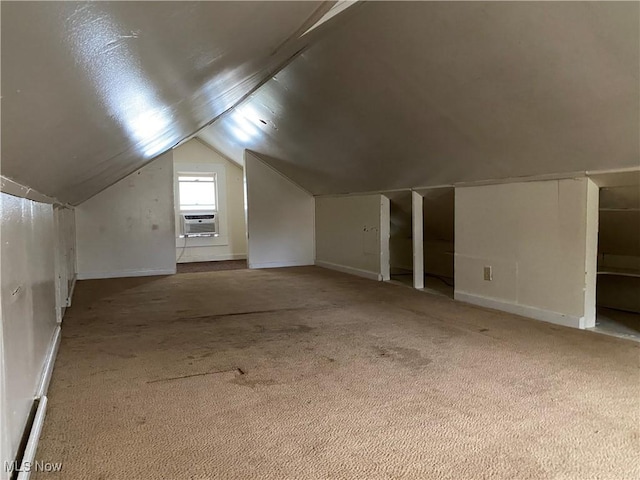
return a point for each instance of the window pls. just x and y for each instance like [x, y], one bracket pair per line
[197, 192]
[200, 188]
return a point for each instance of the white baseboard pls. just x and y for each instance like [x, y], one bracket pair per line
[522, 310]
[47, 369]
[32, 443]
[213, 258]
[350, 270]
[125, 273]
[41, 396]
[279, 264]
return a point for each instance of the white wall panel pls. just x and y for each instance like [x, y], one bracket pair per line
[128, 229]
[534, 237]
[417, 216]
[352, 234]
[28, 311]
[280, 218]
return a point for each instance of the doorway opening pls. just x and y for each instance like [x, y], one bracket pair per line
[438, 210]
[400, 237]
[209, 203]
[618, 277]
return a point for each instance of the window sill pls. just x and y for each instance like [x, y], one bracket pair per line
[202, 241]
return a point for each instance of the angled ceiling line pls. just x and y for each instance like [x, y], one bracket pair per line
[194, 135]
[485, 113]
[208, 145]
[305, 28]
[281, 66]
[16, 189]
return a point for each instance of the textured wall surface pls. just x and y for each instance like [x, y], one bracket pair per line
[128, 229]
[30, 248]
[348, 233]
[280, 218]
[533, 236]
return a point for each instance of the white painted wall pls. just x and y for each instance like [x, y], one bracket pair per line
[195, 156]
[280, 218]
[590, 242]
[352, 235]
[30, 246]
[128, 229]
[535, 236]
[417, 234]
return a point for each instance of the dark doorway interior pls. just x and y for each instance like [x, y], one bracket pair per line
[618, 283]
[438, 237]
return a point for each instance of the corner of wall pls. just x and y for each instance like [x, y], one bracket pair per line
[280, 217]
[38, 250]
[352, 234]
[527, 232]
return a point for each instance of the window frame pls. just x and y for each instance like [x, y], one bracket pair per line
[196, 207]
[202, 169]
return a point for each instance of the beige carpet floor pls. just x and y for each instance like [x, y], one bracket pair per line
[196, 267]
[306, 373]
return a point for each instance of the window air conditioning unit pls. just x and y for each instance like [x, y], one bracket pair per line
[199, 224]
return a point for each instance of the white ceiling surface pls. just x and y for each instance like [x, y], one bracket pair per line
[92, 91]
[432, 93]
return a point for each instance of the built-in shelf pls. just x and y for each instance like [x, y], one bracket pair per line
[623, 272]
[620, 209]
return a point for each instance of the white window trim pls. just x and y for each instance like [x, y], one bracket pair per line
[212, 178]
[222, 205]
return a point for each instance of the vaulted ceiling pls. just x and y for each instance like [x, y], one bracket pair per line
[433, 93]
[385, 95]
[93, 90]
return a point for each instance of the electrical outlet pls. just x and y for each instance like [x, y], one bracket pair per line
[488, 274]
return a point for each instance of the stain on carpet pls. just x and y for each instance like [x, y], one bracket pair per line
[409, 357]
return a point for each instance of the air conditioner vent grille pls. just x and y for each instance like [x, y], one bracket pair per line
[208, 227]
[199, 223]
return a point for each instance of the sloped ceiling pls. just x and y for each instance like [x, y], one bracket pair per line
[92, 91]
[432, 93]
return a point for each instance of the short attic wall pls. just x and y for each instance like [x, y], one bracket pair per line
[539, 239]
[128, 229]
[280, 218]
[38, 274]
[352, 235]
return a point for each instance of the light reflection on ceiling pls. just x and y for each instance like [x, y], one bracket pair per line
[126, 93]
[417, 94]
[91, 91]
[246, 124]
